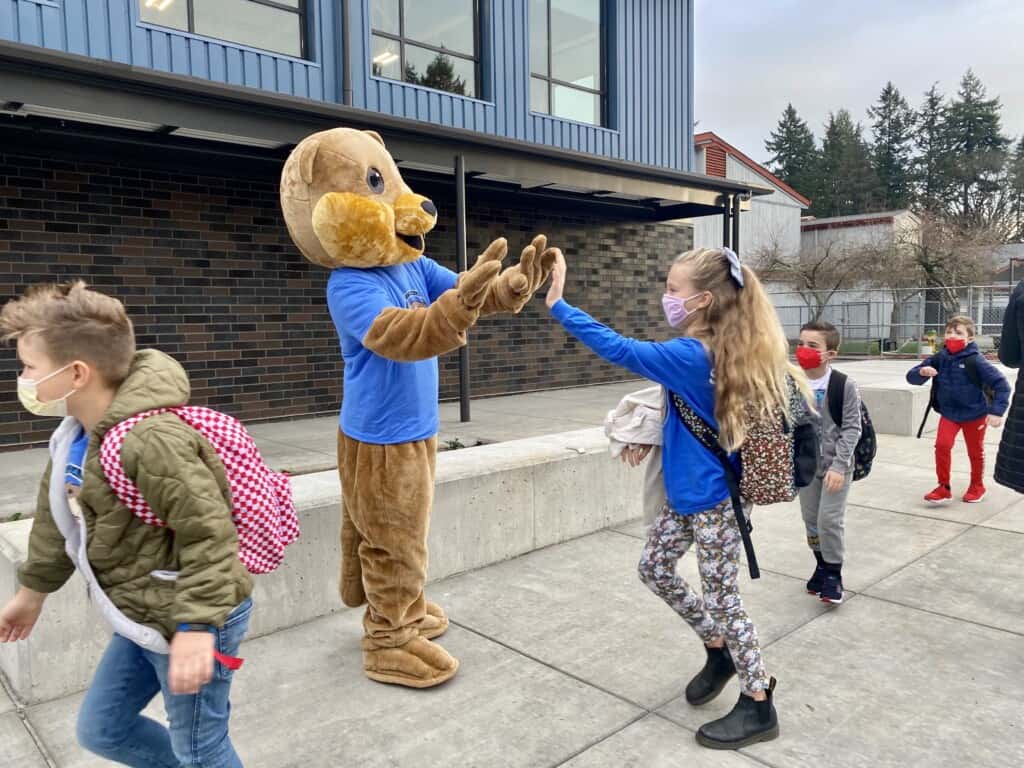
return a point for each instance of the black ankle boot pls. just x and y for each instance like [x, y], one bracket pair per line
[710, 681]
[749, 722]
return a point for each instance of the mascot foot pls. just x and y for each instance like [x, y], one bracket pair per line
[435, 623]
[417, 664]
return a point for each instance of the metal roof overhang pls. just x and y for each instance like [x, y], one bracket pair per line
[191, 112]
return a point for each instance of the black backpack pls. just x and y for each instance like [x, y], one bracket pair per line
[971, 368]
[867, 447]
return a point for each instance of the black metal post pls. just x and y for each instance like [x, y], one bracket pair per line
[725, 223]
[460, 253]
[736, 224]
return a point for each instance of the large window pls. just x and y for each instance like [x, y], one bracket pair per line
[428, 42]
[567, 59]
[272, 25]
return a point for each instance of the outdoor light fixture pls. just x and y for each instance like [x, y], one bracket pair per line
[251, 141]
[83, 117]
[158, 5]
[383, 59]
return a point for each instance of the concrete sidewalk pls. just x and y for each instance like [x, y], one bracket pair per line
[567, 660]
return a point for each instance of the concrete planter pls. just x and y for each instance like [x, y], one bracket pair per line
[492, 503]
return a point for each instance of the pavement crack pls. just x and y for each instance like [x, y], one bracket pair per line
[549, 665]
[21, 710]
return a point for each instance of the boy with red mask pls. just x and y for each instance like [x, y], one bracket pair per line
[970, 394]
[823, 502]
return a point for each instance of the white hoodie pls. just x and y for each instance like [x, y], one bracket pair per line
[639, 419]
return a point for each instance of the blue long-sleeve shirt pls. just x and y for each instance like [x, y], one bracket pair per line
[694, 479]
[959, 399]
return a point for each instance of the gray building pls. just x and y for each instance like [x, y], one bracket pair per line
[773, 222]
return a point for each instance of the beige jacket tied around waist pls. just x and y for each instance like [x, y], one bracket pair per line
[639, 419]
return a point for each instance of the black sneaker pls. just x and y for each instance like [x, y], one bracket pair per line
[816, 581]
[832, 587]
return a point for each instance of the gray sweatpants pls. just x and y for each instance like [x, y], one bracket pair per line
[825, 518]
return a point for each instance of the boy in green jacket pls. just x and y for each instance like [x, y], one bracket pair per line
[173, 595]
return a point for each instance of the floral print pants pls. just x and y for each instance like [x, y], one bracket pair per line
[720, 612]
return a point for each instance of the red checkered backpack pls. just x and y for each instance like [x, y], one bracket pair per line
[263, 511]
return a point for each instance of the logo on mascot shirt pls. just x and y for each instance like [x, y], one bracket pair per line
[414, 299]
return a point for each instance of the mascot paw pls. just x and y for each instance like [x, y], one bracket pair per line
[435, 623]
[417, 664]
[515, 286]
[475, 284]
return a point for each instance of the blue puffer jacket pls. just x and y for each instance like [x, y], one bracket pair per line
[959, 399]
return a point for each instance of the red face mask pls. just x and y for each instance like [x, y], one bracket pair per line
[956, 346]
[808, 358]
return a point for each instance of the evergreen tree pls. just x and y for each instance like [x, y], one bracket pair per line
[440, 74]
[893, 125]
[795, 158]
[978, 154]
[1016, 179]
[848, 181]
[931, 166]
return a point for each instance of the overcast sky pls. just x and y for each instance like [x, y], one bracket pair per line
[752, 57]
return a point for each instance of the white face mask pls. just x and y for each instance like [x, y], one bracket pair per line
[27, 394]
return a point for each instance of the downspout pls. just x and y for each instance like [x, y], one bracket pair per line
[346, 55]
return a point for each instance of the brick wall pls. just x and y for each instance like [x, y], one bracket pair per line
[197, 250]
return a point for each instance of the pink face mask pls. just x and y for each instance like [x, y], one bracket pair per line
[675, 309]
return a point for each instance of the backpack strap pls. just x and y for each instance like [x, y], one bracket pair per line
[110, 462]
[708, 437]
[971, 367]
[836, 397]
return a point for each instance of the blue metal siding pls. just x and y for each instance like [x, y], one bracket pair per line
[110, 29]
[649, 69]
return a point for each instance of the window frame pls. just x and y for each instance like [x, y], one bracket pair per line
[303, 12]
[403, 40]
[550, 80]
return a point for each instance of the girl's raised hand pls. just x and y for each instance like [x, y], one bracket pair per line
[557, 288]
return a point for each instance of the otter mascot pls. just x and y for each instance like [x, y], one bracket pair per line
[348, 209]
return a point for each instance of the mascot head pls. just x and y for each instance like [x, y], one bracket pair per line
[346, 205]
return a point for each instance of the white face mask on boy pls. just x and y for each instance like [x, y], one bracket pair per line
[28, 395]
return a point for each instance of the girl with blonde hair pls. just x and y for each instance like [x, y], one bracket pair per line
[730, 365]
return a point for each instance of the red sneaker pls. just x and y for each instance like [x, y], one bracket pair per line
[940, 495]
[975, 494]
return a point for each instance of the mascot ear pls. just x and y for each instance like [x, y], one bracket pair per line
[305, 157]
[375, 136]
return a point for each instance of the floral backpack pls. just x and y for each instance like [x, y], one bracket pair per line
[262, 507]
[778, 457]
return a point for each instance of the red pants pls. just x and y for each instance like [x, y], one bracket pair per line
[974, 436]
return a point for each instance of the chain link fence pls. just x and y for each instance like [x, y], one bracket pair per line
[873, 321]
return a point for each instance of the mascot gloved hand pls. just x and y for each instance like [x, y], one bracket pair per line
[516, 285]
[349, 210]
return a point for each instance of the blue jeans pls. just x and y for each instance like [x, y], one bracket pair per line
[127, 679]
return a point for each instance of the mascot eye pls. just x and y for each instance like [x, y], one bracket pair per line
[375, 181]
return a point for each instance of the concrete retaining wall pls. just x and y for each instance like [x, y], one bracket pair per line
[898, 410]
[493, 502]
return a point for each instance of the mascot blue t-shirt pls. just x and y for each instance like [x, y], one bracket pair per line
[385, 402]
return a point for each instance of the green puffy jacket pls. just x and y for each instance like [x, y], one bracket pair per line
[184, 483]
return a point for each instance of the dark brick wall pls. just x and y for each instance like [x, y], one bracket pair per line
[197, 250]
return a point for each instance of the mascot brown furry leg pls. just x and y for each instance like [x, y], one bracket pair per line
[348, 209]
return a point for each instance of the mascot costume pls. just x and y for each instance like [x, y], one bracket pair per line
[348, 209]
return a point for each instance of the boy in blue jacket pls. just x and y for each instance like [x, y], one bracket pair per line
[971, 395]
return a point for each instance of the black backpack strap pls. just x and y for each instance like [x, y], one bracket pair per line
[971, 366]
[933, 394]
[836, 397]
[708, 437]
[924, 421]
